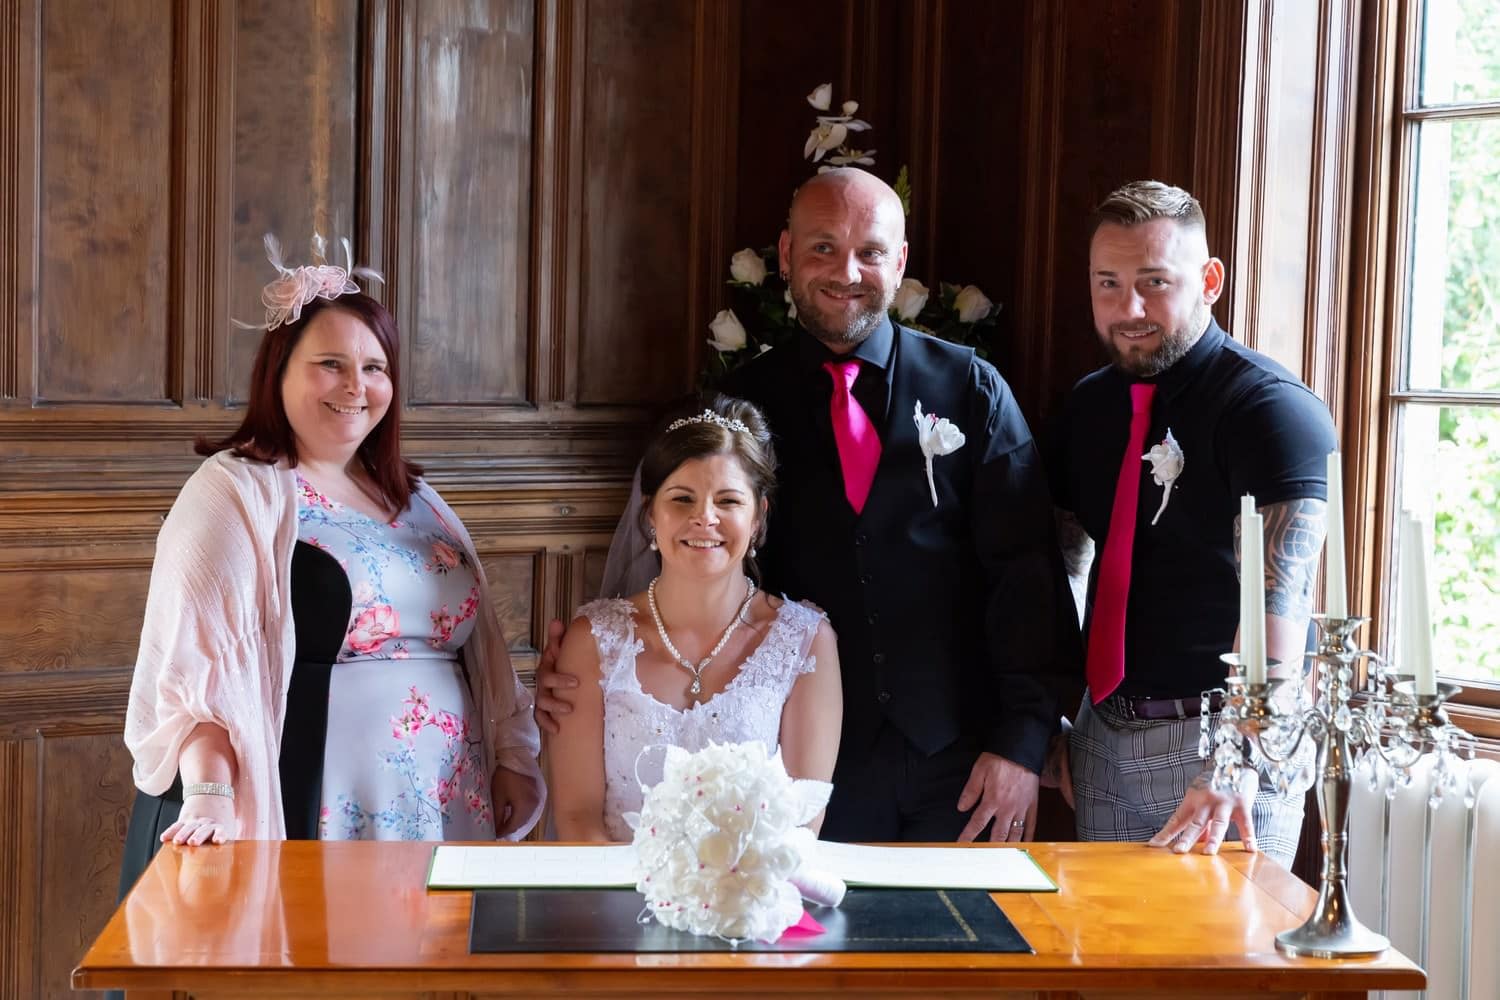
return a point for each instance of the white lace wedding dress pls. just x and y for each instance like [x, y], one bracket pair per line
[749, 708]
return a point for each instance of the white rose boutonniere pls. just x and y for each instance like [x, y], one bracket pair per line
[1166, 465]
[937, 436]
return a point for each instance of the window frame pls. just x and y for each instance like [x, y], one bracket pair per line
[1477, 707]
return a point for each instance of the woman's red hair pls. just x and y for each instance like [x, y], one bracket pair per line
[265, 435]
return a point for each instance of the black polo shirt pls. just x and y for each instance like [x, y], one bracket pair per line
[1245, 425]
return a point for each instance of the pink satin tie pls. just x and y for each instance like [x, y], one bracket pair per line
[1106, 656]
[859, 445]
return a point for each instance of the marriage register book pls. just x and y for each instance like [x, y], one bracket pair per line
[485, 866]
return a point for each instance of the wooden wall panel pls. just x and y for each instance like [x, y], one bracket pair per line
[980, 51]
[295, 88]
[513, 581]
[79, 856]
[105, 163]
[472, 204]
[784, 52]
[71, 615]
[637, 164]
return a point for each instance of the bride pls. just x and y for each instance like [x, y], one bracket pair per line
[703, 654]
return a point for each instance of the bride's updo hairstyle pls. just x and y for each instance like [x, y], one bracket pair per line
[727, 426]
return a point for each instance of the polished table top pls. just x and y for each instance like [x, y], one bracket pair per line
[316, 915]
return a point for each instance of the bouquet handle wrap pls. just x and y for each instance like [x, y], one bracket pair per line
[819, 887]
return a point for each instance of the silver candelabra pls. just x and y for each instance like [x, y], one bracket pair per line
[1385, 721]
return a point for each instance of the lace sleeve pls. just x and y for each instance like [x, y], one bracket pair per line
[610, 620]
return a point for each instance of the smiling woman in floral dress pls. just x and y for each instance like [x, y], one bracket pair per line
[320, 657]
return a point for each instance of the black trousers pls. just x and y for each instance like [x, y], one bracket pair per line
[894, 792]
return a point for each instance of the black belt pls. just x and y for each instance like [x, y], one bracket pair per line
[1158, 709]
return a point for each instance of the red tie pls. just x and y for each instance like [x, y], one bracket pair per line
[1106, 659]
[859, 445]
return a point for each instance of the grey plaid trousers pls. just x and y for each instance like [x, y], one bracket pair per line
[1129, 776]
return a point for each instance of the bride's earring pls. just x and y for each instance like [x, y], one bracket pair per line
[652, 546]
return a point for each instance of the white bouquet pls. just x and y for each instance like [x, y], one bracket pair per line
[719, 839]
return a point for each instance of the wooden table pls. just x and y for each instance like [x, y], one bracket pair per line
[353, 919]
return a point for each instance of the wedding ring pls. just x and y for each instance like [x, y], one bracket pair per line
[1017, 822]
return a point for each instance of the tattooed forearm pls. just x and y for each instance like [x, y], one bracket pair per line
[1077, 546]
[1078, 555]
[1294, 533]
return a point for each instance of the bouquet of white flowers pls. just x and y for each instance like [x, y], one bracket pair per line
[720, 838]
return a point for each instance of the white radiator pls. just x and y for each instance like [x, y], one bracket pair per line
[1430, 879]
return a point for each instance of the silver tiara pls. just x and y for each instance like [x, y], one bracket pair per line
[710, 417]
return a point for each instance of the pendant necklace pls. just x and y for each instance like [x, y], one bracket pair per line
[696, 688]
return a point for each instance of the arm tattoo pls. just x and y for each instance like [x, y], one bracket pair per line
[1078, 555]
[1077, 546]
[1294, 540]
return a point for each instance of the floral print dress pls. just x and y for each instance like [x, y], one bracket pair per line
[402, 759]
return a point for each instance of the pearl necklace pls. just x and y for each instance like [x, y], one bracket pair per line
[696, 688]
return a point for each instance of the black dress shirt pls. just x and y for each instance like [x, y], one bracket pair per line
[1245, 425]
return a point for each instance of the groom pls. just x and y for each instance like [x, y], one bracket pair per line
[954, 616]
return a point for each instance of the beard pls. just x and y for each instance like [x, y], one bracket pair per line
[840, 331]
[1144, 363]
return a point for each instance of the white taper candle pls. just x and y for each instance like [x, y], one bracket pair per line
[1252, 593]
[1416, 606]
[1336, 598]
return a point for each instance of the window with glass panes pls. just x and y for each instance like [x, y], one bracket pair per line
[1446, 400]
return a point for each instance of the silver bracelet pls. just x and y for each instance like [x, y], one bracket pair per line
[208, 788]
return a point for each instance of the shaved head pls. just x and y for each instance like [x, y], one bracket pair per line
[856, 188]
[843, 253]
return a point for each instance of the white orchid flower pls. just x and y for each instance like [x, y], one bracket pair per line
[822, 96]
[937, 437]
[791, 306]
[728, 334]
[860, 156]
[1167, 462]
[828, 135]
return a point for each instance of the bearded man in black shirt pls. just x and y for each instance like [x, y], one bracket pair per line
[1215, 421]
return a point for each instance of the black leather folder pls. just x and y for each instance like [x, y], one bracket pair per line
[612, 920]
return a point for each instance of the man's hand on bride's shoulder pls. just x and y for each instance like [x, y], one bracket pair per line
[551, 685]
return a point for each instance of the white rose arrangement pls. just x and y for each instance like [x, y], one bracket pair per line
[763, 316]
[720, 839]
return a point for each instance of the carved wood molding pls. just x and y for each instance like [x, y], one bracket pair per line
[1216, 136]
[557, 197]
[924, 82]
[1329, 245]
[19, 40]
[64, 531]
[18, 874]
[715, 127]
[202, 137]
[63, 702]
[428, 423]
[1166, 132]
[1036, 281]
